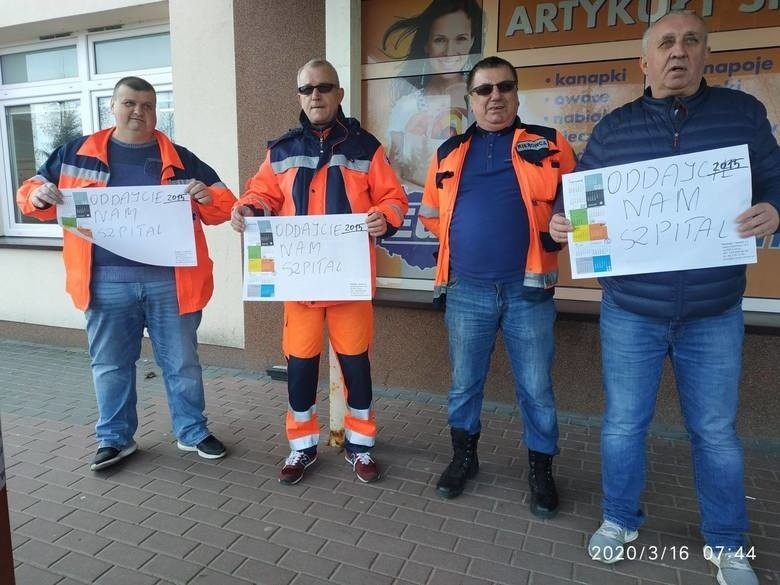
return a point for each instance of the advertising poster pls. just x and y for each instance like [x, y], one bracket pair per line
[757, 72]
[533, 24]
[574, 97]
[415, 107]
[403, 108]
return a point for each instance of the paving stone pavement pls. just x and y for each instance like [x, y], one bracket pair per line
[166, 517]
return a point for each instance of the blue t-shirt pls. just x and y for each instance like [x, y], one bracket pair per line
[489, 232]
[131, 165]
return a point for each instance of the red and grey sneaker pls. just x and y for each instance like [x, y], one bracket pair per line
[365, 467]
[294, 467]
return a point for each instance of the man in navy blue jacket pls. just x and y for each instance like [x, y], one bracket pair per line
[694, 316]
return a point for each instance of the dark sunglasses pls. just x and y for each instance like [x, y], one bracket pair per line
[487, 88]
[320, 87]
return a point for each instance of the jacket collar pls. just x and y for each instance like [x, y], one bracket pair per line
[665, 103]
[516, 125]
[338, 127]
[96, 146]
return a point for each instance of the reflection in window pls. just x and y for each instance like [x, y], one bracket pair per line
[134, 53]
[34, 132]
[164, 113]
[59, 63]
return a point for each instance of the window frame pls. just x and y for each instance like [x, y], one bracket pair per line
[69, 41]
[7, 212]
[87, 87]
[118, 34]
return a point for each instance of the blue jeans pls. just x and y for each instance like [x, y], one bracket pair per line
[116, 317]
[706, 355]
[475, 312]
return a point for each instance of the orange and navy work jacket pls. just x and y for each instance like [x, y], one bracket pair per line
[540, 156]
[84, 163]
[342, 169]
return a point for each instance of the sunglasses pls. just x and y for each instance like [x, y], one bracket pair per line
[320, 87]
[487, 88]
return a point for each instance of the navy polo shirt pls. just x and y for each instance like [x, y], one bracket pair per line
[131, 165]
[489, 232]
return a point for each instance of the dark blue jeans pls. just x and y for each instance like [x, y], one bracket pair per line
[706, 355]
[475, 313]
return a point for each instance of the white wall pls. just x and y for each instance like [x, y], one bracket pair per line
[26, 20]
[204, 87]
[32, 289]
[32, 286]
[26, 11]
[343, 49]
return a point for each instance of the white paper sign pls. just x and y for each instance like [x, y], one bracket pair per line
[152, 224]
[672, 213]
[307, 258]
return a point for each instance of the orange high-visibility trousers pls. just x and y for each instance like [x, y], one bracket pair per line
[350, 329]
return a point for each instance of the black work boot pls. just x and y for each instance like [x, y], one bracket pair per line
[544, 497]
[464, 464]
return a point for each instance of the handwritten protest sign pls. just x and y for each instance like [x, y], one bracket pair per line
[665, 214]
[307, 258]
[151, 224]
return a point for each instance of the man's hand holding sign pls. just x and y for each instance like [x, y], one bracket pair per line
[674, 213]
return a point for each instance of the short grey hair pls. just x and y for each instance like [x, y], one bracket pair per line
[317, 64]
[649, 29]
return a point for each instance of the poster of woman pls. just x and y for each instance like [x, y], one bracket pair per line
[429, 47]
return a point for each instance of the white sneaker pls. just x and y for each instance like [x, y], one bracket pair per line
[607, 545]
[733, 567]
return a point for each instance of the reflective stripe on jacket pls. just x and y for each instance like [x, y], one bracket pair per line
[345, 171]
[539, 181]
[84, 163]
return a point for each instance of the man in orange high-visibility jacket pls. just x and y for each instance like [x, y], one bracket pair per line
[120, 296]
[488, 199]
[328, 166]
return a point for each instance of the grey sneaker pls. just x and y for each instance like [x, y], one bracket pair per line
[733, 567]
[607, 545]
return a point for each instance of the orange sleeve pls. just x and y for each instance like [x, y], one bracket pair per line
[429, 209]
[566, 156]
[387, 194]
[25, 205]
[218, 210]
[262, 191]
